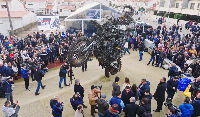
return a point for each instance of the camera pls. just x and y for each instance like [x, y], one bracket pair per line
[169, 104]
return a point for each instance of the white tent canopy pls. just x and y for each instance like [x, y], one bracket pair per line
[84, 8]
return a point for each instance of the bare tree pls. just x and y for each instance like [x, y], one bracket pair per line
[11, 26]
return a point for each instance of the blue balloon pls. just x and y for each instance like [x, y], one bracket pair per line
[183, 83]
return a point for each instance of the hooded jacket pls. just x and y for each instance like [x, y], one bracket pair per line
[10, 111]
[102, 106]
[186, 109]
[111, 113]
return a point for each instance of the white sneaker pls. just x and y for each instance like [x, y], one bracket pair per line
[28, 89]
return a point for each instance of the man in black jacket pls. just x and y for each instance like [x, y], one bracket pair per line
[153, 55]
[172, 85]
[44, 57]
[196, 106]
[63, 70]
[131, 109]
[159, 94]
[126, 95]
[102, 105]
[9, 71]
[141, 49]
[38, 74]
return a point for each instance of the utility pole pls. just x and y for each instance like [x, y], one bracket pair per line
[10, 21]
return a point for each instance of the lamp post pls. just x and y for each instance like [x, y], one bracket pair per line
[10, 21]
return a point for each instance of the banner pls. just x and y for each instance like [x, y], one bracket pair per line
[48, 22]
[93, 14]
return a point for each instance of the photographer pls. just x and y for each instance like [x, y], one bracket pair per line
[79, 89]
[172, 112]
[172, 85]
[25, 73]
[57, 107]
[8, 89]
[9, 110]
[76, 100]
[63, 70]
[79, 111]
[102, 105]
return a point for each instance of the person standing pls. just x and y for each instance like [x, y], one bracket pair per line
[131, 109]
[186, 108]
[144, 85]
[102, 105]
[84, 67]
[9, 71]
[112, 111]
[57, 107]
[79, 111]
[196, 106]
[78, 89]
[143, 107]
[148, 96]
[44, 57]
[126, 48]
[126, 95]
[38, 74]
[159, 94]
[115, 86]
[172, 70]
[172, 85]
[25, 73]
[141, 50]
[76, 100]
[153, 55]
[117, 100]
[93, 97]
[63, 70]
[162, 56]
[126, 83]
[8, 89]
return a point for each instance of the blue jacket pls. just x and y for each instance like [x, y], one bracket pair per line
[173, 115]
[3, 70]
[6, 44]
[9, 72]
[186, 109]
[24, 73]
[143, 88]
[7, 86]
[78, 88]
[171, 71]
[76, 102]
[110, 113]
[116, 100]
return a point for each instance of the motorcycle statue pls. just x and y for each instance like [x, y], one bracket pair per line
[106, 45]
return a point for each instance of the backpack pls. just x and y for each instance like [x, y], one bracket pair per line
[53, 106]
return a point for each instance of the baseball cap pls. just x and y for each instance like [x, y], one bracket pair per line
[92, 87]
[103, 96]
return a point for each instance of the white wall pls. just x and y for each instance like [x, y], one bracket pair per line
[36, 5]
[14, 5]
[17, 23]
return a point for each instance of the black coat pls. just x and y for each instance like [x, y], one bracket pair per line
[196, 106]
[131, 109]
[142, 109]
[126, 96]
[44, 56]
[160, 92]
[170, 85]
[38, 74]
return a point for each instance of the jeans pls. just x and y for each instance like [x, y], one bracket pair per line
[126, 50]
[32, 74]
[84, 66]
[54, 55]
[160, 61]
[152, 58]
[61, 80]
[140, 53]
[39, 83]
[100, 115]
[9, 97]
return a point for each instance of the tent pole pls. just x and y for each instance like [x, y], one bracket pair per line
[82, 27]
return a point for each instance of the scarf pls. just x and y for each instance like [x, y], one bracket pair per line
[117, 83]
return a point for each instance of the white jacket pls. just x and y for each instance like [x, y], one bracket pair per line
[15, 69]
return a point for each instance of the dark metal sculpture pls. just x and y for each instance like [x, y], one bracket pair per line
[106, 44]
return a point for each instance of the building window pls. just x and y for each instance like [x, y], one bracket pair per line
[3, 6]
[60, 10]
[192, 5]
[198, 5]
[177, 5]
[30, 4]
